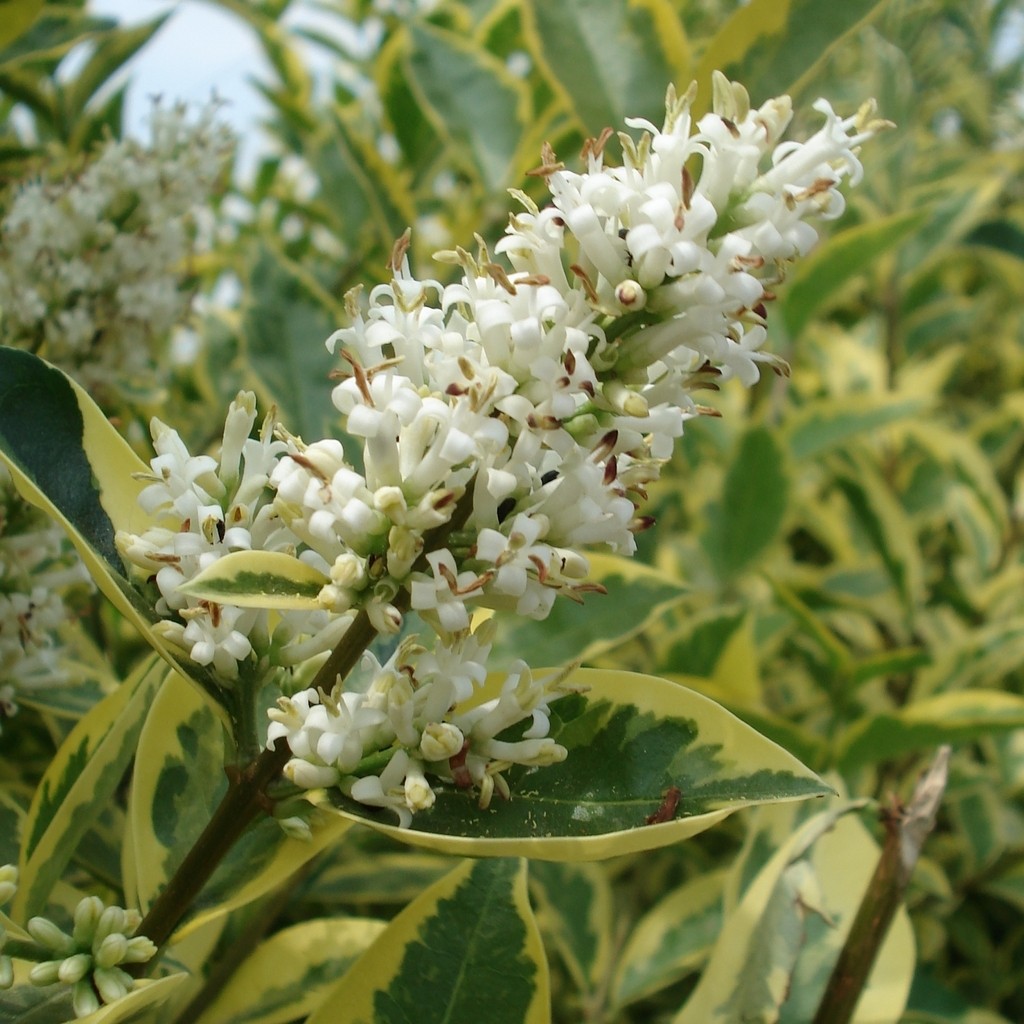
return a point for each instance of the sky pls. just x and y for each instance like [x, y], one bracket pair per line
[198, 52]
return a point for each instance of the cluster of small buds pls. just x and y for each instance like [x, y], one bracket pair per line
[379, 744]
[88, 959]
[93, 269]
[8, 887]
[38, 568]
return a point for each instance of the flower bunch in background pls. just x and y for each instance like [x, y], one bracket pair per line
[94, 268]
[508, 422]
[38, 567]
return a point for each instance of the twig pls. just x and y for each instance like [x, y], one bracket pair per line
[906, 829]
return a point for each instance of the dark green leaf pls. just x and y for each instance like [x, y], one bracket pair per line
[475, 102]
[622, 59]
[752, 506]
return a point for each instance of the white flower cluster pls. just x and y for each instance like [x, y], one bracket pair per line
[520, 412]
[88, 959]
[378, 744]
[213, 506]
[37, 568]
[93, 268]
[555, 391]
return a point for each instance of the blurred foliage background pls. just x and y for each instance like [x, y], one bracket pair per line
[839, 558]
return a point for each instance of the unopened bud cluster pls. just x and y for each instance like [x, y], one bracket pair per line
[90, 958]
[519, 413]
[8, 887]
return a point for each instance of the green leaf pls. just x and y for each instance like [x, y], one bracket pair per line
[179, 780]
[1008, 886]
[65, 457]
[582, 631]
[752, 506]
[288, 976]
[79, 781]
[630, 739]
[774, 46]
[466, 950]
[258, 579]
[821, 277]
[955, 718]
[956, 204]
[383, 879]
[824, 425]
[474, 102]
[113, 50]
[623, 57]
[285, 330]
[671, 941]
[365, 200]
[775, 951]
[576, 914]
[15, 18]
[886, 526]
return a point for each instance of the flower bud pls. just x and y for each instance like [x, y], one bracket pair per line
[47, 934]
[84, 999]
[441, 741]
[418, 794]
[630, 296]
[111, 920]
[8, 882]
[6, 973]
[74, 968]
[87, 916]
[310, 776]
[45, 973]
[296, 828]
[140, 949]
[112, 983]
[111, 950]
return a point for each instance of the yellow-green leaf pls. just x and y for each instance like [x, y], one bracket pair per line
[820, 426]
[576, 912]
[672, 940]
[179, 780]
[822, 276]
[472, 99]
[632, 739]
[79, 782]
[958, 717]
[289, 975]
[467, 950]
[65, 457]
[16, 16]
[258, 579]
[582, 631]
[773, 46]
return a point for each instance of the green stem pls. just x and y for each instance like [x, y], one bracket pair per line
[32, 951]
